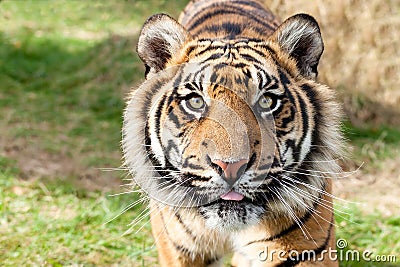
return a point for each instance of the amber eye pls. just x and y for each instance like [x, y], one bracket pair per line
[265, 102]
[196, 102]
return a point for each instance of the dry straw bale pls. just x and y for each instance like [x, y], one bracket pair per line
[362, 53]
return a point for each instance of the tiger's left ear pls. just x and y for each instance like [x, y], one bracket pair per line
[161, 38]
[300, 37]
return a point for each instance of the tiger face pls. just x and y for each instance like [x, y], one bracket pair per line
[231, 130]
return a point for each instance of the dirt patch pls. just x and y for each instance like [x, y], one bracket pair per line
[375, 190]
[35, 163]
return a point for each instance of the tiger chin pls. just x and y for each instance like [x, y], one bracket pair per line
[232, 137]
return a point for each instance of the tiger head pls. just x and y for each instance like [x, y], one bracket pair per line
[236, 131]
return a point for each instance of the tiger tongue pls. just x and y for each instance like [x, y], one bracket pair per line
[232, 195]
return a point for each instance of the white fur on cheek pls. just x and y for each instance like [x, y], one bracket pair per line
[140, 106]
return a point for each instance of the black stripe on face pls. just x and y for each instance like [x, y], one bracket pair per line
[304, 117]
[172, 116]
[170, 149]
[188, 78]
[209, 48]
[271, 83]
[250, 58]
[178, 80]
[240, 65]
[251, 162]
[263, 46]
[168, 168]
[263, 82]
[214, 56]
[201, 73]
[303, 112]
[317, 143]
[154, 161]
[192, 166]
[279, 110]
[285, 121]
[284, 81]
[187, 179]
[157, 116]
[270, 52]
[147, 103]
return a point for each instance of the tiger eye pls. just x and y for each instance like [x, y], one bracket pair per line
[196, 102]
[265, 102]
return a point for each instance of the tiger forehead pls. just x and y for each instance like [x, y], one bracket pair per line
[244, 66]
[221, 42]
[197, 47]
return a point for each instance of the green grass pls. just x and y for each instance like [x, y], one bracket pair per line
[373, 144]
[54, 224]
[65, 68]
[368, 232]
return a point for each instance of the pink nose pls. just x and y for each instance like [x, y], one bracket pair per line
[232, 170]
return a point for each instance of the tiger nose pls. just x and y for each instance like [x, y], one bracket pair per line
[232, 170]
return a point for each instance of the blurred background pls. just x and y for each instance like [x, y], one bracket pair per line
[65, 69]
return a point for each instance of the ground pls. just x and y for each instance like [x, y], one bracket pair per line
[376, 189]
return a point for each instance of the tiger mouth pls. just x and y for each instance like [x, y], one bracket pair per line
[232, 195]
[231, 203]
[259, 199]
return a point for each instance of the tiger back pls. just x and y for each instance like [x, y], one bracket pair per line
[232, 137]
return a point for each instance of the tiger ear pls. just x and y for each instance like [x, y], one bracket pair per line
[300, 37]
[160, 39]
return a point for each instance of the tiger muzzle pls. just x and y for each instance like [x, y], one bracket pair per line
[232, 171]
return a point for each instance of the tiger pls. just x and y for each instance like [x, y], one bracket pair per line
[233, 139]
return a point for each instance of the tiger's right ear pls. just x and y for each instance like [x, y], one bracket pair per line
[160, 39]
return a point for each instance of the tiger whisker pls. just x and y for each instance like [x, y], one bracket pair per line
[108, 169]
[335, 173]
[166, 223]
[310, 209]
[314, 197]
[318, 176]
[331, 209]
[138, 218]
[128, 207]
[126, 192]
[145, 213]
[292, 214]
[316, 189]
